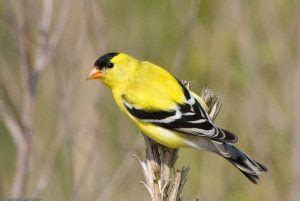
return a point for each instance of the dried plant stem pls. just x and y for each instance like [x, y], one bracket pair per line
[21, 124]
[160, 160]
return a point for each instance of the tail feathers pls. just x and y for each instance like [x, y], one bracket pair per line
[249, 167]
[228, 136]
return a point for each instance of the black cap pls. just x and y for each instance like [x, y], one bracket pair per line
[104, 60]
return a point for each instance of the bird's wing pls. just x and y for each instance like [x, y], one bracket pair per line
[188, 117]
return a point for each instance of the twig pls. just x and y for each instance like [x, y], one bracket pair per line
[11, 124]
[295, 194]
[65, 93]
[48, 45]
[30, 69]
[24, 138]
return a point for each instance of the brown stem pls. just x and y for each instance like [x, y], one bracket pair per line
[30, 70]
[21, 168]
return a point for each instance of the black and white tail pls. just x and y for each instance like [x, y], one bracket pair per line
[249, 167]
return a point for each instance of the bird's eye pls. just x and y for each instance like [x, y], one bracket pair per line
[110, 65]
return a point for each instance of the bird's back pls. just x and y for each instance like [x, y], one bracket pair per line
[153, 87]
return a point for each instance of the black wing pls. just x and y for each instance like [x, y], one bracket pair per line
[189, 118]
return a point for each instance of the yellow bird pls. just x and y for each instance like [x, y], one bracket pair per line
[167, 111]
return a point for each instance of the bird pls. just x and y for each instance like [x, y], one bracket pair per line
[166, 111]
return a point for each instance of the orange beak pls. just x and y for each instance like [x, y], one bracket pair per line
[94, 74]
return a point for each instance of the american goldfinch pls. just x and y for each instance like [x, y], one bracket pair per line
[166, 111]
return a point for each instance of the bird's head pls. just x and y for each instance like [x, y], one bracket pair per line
[113, 68]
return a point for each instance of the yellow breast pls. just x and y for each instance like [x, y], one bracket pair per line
[163, 136]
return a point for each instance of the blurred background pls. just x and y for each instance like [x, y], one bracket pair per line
[62, 138]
